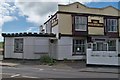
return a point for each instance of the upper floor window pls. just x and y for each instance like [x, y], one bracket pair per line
[80, 23]
[111, 25]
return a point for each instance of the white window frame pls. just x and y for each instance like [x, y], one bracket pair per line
[112, 46]
[81, 23]
[80, 45]
[107, 45]
[103, 43]
[109, 25]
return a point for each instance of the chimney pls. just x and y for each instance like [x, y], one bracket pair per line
[41, 29]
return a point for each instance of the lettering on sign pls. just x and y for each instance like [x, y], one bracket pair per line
[95, 23]
[54, 21]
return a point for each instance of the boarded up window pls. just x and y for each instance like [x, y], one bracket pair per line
[18, 45]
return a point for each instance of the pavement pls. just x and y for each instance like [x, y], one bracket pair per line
[101, 70]
[77, 66]
[8, 64]
[33, 69]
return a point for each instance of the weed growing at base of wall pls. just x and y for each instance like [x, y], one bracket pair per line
[47, 60]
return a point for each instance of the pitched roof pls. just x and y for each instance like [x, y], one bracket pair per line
[87, 6]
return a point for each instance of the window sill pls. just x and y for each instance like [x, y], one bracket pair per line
[79, 30]
[103, 51]
[17, 52]
[112, 31]
[40, 53]
[78, 54]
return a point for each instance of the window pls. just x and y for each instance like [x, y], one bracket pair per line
[112, 45]
[104, 46]
[89, 45]
[111, 25]
[80, 23]
[99, 46]
[18, 45]
[79, 46]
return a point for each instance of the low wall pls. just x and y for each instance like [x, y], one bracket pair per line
[102, 57]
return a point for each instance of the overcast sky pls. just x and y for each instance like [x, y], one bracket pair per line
[27, 15]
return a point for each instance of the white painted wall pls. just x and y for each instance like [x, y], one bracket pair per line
[55, 29]
[48, 27]
[102, 57]
[28, 48]
[33, 47]
[8, 47]
[53, 49]
[64, 49]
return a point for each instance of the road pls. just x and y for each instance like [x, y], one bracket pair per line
[27, 71]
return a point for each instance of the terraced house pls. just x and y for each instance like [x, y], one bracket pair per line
[78, 32]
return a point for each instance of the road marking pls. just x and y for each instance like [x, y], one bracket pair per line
[54, 69]
[29, 77]
[7, 73]
[15, 75]
[41, 69]
[11, 67]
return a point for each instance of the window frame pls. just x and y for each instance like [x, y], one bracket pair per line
[18, 43]
[95, 48]
[112, 46]
[82, 45]
[82, 23]
[111, 21]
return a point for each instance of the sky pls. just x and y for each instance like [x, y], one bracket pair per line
[26, 16]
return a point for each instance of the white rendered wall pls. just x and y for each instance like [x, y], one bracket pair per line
[9, 49]
[55, 29]
[33, 47]
[41, 46]
[65, 49]
[28, 48]
[48, 27]
[53, 49]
